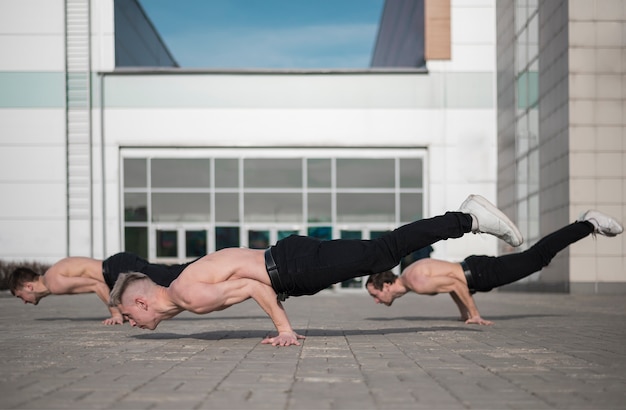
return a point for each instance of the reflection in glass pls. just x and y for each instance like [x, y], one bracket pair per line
[369, 207]
[226, 237]
[135, 207]
[320, 207]
[226, 207]
[181, 173]
[350, 234]
[136, 240]
[285, 233]
[272, 172]
[319, 173]
[377, 234]
[226, 172]
[272, 207]
[320, 232]
[411, 174]
[166, 244]
[411, 207]
[195, 243]
[258, 239]
[135, 173]
[177, 207]
[365, 173]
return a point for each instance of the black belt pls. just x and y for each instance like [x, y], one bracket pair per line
[272, 271]
[468, 277]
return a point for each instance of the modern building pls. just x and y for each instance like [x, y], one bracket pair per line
[561, 131]
[107, 145]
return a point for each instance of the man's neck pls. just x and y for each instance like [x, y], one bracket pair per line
[164, 305]
[40, 288]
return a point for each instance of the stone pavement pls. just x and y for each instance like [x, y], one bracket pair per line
[544, 352]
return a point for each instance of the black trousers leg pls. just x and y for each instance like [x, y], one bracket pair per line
[307, 265]
[490, 272]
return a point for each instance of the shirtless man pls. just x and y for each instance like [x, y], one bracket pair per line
[483, 273]
[295, 266]
[76, 275]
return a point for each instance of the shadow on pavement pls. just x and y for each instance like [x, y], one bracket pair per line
[241, 334]
[455, 318]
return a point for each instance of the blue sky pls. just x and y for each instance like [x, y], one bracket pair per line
[267, 33]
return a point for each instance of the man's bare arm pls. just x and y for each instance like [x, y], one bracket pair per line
[205, 298]
[420, 281]
[462, 308]
[462, 292]
[60, 284]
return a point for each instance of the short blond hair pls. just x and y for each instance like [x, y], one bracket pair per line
[122, 283]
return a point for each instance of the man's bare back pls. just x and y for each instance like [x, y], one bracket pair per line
[227, 264]
[55, 278]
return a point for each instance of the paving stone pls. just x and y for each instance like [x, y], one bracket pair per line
[545, 351]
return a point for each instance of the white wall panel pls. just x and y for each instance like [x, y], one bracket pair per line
[33, 239]
[467, 58]
[472, 24]
[271, 127]
[40, 52]
[32, 164]
[32, 126]
[32, 16]
[40, 201]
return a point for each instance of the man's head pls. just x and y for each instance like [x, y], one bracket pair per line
[379, 287]
[22, 283]
[133, 294]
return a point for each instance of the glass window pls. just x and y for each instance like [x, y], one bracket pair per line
[136, 240]
[135, 207]
[370, 207]
[181, 206]
[272, 173]
[226, 207]
[258, 239]
[350, 234]
[282, 234]
[320, 207]
[411, 207]
[226, 237]
[272, 207]
[135, 173]
[192, 206]
[522, 91]
[319, 173]
[181, 173]
[166, 243]
[320, 232]
[411, 173]
[365, 173]
[195, 243]
[226, 173]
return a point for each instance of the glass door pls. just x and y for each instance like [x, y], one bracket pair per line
[177, 244]
[262, 237]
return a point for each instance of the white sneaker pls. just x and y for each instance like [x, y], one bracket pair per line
[604, 224]
[491, 220]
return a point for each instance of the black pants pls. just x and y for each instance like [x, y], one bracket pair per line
[125, 262]
[489, 272]
[307, 265]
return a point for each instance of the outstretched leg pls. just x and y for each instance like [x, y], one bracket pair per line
[306, 265]
[489, 272]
